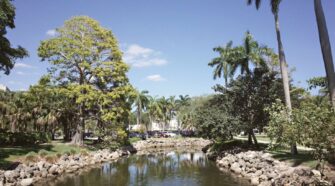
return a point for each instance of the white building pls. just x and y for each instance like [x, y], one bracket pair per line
[155, 126]
[172, 125]
[4, 88]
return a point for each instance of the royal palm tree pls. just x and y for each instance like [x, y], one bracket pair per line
[154, 109]
[282, 59]
[249, 53]
[326, 49]
[222, 63]
[140, 102]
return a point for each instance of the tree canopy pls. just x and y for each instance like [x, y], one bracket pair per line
[8, 54]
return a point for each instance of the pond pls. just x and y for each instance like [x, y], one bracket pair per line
[164, 167]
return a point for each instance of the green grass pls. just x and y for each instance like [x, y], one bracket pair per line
[304, 158]
[134, 139]
[264, 138]
[9, 155]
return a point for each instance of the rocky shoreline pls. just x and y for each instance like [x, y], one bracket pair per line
[152, 143]
[26, 174]
[261, 169]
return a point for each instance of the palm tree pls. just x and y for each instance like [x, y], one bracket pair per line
[154, 109]
[183, 101]
[326, 49]
[283, 65]
[181, 104]
[249, 52]
[222, 63]
[164, 106]
[141, 101]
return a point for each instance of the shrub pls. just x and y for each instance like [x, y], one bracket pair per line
[84, 152]
[67, 153]
[311, 125]
[58, 155]
[51, 158]
[73, 152]
[42, 153]
[31, 157]
[23, 138]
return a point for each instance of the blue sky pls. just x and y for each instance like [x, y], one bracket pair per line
[168, 43]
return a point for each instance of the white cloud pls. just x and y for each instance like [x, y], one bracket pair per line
[15, 82]
[51, 33]
[139, 56]
[20, 73]
[23, 65]
[155, 77]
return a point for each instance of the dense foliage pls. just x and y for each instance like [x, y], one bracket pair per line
[311, 125]
[88, 66]
[8, 55]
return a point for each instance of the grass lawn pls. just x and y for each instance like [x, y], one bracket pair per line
[304, 158]
[9, 155]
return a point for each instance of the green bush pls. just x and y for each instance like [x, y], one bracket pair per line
[84, 152]
[311, 125]
[42, 153]
[31, 157]
[73, 152]
[51, 158]
[58, 155]
[67, 153]
[23, 138]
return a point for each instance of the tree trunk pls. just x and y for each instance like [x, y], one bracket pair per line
[254, 138]
[326, 49]
[138, 118]
[66, 131]
[294, 150]
[284, 74]
[78, 138]
[249, 137]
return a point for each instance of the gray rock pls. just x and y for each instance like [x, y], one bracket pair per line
[53, 169]
[254, 181]
[44, 174]
[263, 178]
[9, 174]
[235, 167]
[26, 182]
[316, 173]
[22, 174]
[40, 165]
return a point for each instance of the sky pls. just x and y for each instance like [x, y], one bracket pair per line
[168, 43]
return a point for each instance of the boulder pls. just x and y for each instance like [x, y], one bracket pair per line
[235, 167]
[316, 174]
[26, 182]
[53, 169]
[254, 181]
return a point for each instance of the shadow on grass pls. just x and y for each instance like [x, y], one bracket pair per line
[303, 158]
[10, 154]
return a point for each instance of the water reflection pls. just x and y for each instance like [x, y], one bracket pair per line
[157, 168]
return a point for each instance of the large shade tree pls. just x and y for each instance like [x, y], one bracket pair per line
[282, 59]
[8, 54]
[87, 62]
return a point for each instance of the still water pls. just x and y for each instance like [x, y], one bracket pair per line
[165, 167]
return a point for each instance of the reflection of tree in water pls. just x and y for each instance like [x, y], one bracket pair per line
[158, 168]
[164, 165]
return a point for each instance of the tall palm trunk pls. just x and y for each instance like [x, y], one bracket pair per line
[326, 49]
[138, 116]
[284, 74]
